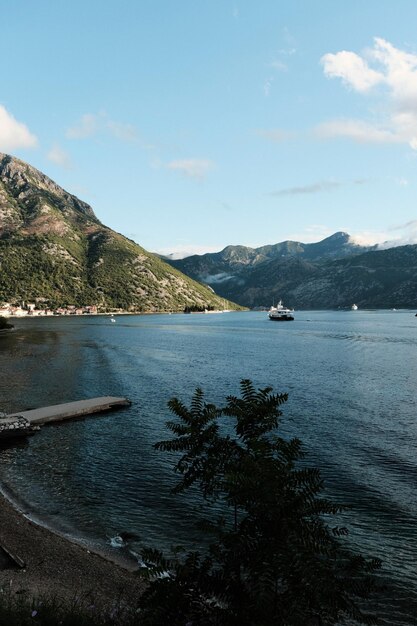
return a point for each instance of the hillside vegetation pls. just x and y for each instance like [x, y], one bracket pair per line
[54, 250]
[330, 274]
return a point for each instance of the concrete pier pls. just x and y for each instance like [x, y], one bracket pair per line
[69, 410]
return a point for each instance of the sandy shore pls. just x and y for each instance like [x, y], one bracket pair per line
[55, 566]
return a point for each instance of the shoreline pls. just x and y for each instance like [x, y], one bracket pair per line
[59, 566]
[29, 513]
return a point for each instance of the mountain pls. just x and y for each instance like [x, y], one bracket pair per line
[55, 251]
[375, 279]
[234, 263]
[332, 273]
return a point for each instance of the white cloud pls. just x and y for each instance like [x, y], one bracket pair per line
[325, 185]
[277, 63]
[280, 66]
[92, 124]
[267, 86]
[275, 134]
[399, 235]
[352, 69]
[193, 168]
[369, 238]
[86, 127]
[58, 156]
[358, 130]
[287, 52]
[395, 72]
[124, 132]
[404, 234]
[317, 187]
[14, 134]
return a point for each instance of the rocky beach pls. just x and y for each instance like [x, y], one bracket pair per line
[56, 567]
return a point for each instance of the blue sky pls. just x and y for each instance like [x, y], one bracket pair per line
[189, 125]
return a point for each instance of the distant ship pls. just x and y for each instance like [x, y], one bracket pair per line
[354, 307]
[280, 313]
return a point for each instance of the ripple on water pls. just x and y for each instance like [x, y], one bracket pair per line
[351, 380]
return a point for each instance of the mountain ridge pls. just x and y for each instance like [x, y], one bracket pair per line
[53, 249]
[332, 273]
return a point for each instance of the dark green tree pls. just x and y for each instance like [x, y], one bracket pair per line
[273, 558]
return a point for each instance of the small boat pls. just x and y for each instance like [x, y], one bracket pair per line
[280, 313]
[112, 319]
[354, 307]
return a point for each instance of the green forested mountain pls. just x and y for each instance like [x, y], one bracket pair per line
[54, 250]
[332, 273]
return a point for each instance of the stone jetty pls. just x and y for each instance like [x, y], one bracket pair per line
[24, 423]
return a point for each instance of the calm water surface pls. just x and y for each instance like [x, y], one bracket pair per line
[351, 379]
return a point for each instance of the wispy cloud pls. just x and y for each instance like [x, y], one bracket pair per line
[397, 235]
[404, 234]
[14, 134]
[279, 65]
[92, 124]
[87, 126]
[394, 73]
[357, 130]
[289, 41]
[318, 187]
[267, 86]
[276, 135]
[278, 62]
[57, 155]
[192, 168]
[325, 185]
[124, 132]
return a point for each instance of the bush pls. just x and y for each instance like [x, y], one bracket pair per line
[272, 558]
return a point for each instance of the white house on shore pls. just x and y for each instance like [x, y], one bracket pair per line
[8, 310]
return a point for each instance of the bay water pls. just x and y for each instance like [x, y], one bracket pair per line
[351, 379]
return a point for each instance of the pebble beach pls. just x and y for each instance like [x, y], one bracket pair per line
[56, 567]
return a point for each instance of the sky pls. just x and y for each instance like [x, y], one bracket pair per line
[190, 125]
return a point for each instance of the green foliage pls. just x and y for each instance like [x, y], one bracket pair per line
[100, 269]
[28, 272]
[273, 558]
[52, 246]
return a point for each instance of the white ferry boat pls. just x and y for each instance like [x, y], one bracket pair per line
[280, 313]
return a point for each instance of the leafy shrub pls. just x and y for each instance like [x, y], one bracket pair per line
[273, 558]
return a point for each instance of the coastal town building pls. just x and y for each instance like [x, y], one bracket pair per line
[29, 309]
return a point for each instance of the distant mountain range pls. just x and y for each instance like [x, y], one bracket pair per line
[333, 273]
[54, 252]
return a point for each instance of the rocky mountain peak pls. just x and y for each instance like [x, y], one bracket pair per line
[25, 193]
[339, 238]
[54, 252]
